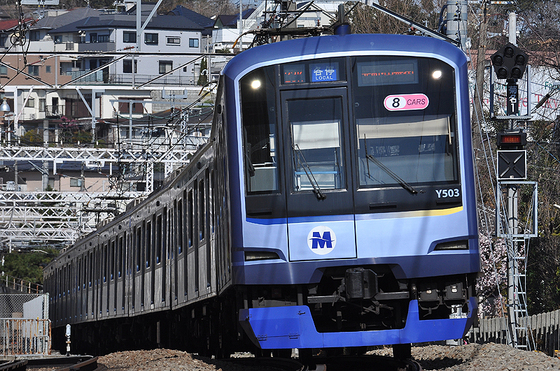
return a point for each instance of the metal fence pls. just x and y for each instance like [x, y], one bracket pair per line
[24, 325]
[20, 336]
[24, 306]
[544, 329]
[17, 284]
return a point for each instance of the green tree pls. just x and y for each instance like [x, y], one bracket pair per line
[28, 265]
[32, 137]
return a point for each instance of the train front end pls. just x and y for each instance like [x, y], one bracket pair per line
[352, 192]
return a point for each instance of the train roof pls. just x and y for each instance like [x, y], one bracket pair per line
[306, 48]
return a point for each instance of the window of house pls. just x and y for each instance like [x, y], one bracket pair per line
[58, 39]
[33, 70]
[93, 37]
[42, 104]
[3, 70]
[165, 66]
[103, 38]
[173, 40]
[124, 107]
[151, 38]
[30, 103]
[75, 182]
[193, 43]
[34, 35]
[127, 66]
[129, 37]
[48, 69]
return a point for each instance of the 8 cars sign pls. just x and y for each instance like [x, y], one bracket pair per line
[406, 102]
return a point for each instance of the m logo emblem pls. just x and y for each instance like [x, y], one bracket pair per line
[321, 240]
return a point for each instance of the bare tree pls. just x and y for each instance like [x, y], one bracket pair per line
[365, 19]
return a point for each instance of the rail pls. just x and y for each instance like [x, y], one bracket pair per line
[20, 365]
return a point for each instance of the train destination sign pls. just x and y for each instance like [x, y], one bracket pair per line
[394, 73]
[294, 73]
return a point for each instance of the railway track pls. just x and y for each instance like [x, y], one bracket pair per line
[359, 363]
[354, 363]
[82, 363]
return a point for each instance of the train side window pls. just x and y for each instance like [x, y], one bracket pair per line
[184, 239]
[191, 218]
[211, 200]
[172, 230]
[120, 261]
[105, 262]
[201, 210]
[138, 250]
[148, 244]
[180, 226]
[159, 242]
[166, 233]
[153, 241]
[91, 272]
[112, 260]
[259, 131]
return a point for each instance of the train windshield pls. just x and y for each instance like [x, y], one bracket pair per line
[316, 144]
[340, 124]
[404, 116]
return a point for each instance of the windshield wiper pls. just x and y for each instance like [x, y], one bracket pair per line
[392, 174]
[303, 164]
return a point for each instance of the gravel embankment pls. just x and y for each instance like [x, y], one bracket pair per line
[472, 357]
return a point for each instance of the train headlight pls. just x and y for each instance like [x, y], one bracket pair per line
[255, 84]
[437, 74]
[453, 245]
[260, 255]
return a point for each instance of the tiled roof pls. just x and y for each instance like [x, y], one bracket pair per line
[192, 15]
[160, 22]
[52, 22]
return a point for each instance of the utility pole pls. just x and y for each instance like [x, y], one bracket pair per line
[481, 56]
[509, 64]
[457, 21]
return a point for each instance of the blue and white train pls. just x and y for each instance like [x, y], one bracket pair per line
[333, 207]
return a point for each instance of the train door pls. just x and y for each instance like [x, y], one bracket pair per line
[318, 181]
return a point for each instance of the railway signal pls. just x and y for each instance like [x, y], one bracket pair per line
[512, 157]
[509, 62]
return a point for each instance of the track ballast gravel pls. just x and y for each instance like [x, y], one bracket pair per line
[479, 357]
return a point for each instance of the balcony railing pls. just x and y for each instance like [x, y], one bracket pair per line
[127, 79]
[96, 47]
[53, 111]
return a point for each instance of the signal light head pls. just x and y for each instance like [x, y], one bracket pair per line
[502, 73]
[497, 60]
[509, 62]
